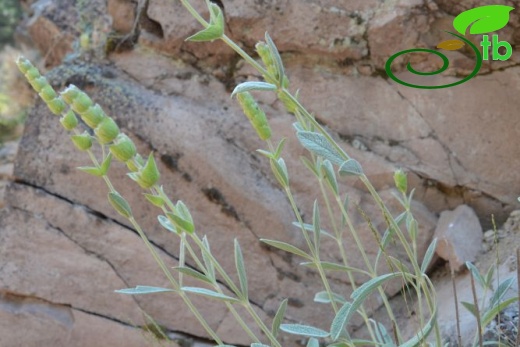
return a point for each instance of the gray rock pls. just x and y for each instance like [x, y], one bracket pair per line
[459, 236]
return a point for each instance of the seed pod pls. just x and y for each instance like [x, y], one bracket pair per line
[93, 116]
[255, 115]
[38, 83]
[69, 120]
[56, 105]
[47, 93]
[70, 93]
[107, 130]
[123, 148]
[81, 102]
[82, 142]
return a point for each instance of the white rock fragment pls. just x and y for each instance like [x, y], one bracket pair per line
[459, 235]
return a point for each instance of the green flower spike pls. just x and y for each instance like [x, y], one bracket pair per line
[107, 130]
[123, 148]
[255, 114]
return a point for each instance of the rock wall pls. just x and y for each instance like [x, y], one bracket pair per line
[63, 248]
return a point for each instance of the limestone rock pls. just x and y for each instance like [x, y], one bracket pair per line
[459, 236]
[172, 98]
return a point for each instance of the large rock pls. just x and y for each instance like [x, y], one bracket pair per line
[172, 98]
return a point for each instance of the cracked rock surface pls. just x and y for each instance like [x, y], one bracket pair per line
[64, 250]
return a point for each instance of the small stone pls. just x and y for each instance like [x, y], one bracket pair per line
[459, 235]
[489, 236]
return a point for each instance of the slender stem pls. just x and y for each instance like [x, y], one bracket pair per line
[339, 241]
[230, 307]
[234, 288]
[315, 257]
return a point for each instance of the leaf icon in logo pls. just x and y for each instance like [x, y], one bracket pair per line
[451, 45]
[485, 19]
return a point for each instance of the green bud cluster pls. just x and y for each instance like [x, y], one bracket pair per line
[41, 85]
[255, 114]
[92, 114]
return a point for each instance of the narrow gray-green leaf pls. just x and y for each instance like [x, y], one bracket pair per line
[350, 167]
[253, 85]
[310, 228]
[181, 223]
[211, 33]
[330, 176]
[287, 247]
[335, 267]
[193, 273]
[490, 314]
[165, 222]
[207, 259]
[339, 321]
[318, 144]
[303, 330]
[323, 298]
[91, 170]
[470, 307]
[278, 318]
[316, 226]
[266, 153]
[143, 290]
[120, 204]
[103, 169]
[368, 287]
[280, 171]
[277, 58]
[501, 290]
[241, 270]
[279, 148]
[425, 331]
[209, 293]
[429, 255]
[155, 200]
[476, 274]
[382, 335]
[313, 342]
[256, 344]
